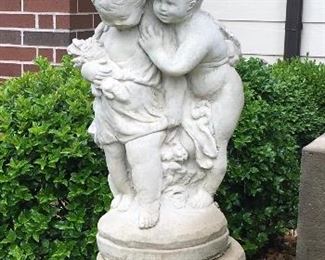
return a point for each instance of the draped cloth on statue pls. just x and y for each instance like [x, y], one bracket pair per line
[197, 123]
[198, 120]
[141, 111]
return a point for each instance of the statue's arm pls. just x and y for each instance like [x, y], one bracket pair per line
[188, 55]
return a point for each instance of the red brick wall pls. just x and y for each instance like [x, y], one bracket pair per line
[29, 28]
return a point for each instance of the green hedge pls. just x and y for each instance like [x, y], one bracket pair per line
[284, 111]
[53, 186]
[52, 177]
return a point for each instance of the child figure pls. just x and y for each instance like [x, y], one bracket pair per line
[129, 121]
[203, 57]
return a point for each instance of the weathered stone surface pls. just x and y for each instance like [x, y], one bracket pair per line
[167, 101]
[234, 252]
[180, 234]
[311, 220]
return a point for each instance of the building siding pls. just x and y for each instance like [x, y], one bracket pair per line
[260, 26]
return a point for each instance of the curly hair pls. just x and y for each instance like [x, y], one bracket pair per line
[195, 4]
[114, 7]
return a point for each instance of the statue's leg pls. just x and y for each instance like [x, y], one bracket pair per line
[204, 195]
[118, 178]
[217, 173]
[144, 157]
[226, 110]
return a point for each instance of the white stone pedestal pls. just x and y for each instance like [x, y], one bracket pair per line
[311, 224]
[181, 234]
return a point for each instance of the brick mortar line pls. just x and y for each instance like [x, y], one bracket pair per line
[54, 21]
[44, 30]
[36, 21]
[54, 55]
[13, 62]
[16, 62]
[33, 46]
[4, 45]
[47, 13]
[21, 37]
[32, 29]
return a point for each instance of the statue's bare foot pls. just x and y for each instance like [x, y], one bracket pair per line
[125, 202]
[201, 199]
[149, 215]
[116, 201]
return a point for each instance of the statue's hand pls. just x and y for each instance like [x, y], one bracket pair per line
[151, 39]
[113, 89]
[95, 71]
[102, 72]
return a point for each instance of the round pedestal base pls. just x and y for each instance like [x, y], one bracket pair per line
[234, 252]
[181, 234]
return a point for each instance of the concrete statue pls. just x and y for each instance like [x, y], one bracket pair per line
[166, 102]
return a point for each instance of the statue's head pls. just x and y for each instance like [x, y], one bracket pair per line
[175, 11]
[122, 14]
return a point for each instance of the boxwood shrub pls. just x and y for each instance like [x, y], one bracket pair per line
[53, 186]
[284, 111]
[52, 177]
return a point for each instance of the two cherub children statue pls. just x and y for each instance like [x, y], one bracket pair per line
[166, 101]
